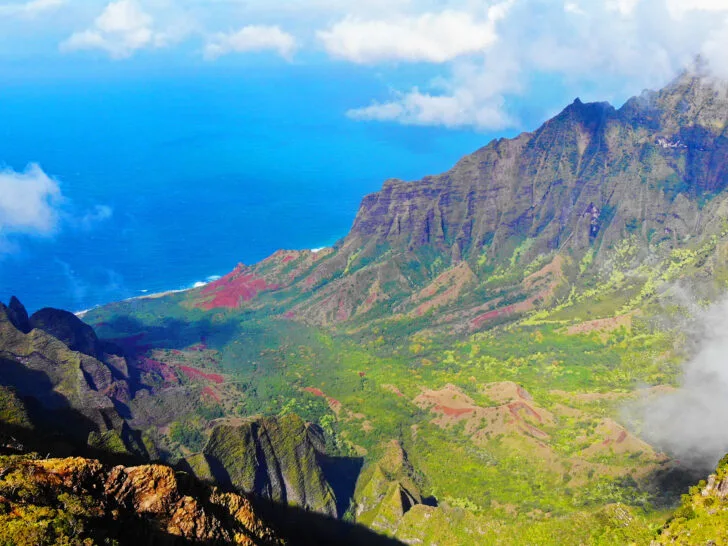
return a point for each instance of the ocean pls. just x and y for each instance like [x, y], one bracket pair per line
[199, 170]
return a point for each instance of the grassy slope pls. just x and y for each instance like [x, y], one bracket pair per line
[371, 371]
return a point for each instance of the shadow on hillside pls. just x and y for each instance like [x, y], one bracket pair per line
[170, 333]
[302, 528]
[668, 484]
[341, 473]
[56, 428]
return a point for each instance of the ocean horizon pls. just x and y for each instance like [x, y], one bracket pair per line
[167, 182]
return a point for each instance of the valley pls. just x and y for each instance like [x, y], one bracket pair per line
[469, 365]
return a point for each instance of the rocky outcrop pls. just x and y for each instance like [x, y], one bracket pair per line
[275, 458]
[144, 505]
[703, 516]
[584, 175]
[67, 328]
[387, 490]
[68, 391]
[17, 314]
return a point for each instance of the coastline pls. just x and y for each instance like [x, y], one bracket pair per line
[194, 286]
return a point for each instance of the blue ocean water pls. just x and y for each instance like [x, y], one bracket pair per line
[202, 169]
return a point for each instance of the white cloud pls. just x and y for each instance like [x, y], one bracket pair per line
[474, 96]
[678, 8]
[457, 110]
[251, 38]
[123, 28]
[32, 204]
[430, 37]
[99, 213]
[29, 202]
[30, 9]
[601, 50]
[573, 7]
[624, 7]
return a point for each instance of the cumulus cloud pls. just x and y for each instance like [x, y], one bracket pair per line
[29, 202]
[29, 9]
[689, 423]
[123, 28]
[32, 204]
[473, 96]
[615, 47]
[430, 37]
[252, 38]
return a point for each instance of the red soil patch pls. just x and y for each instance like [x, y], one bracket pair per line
[193, 373]
[333, 403]
[393, 389]
[315, 391]
[603, 326]
[446, 288]
[288, 258]
[480, 319]
[535, 431]
[154, 366]
[546, 280]
[515, 407]
[342, 313]
[289, 315]
[207, 391]
[453, 412]
[622, 437]
[239, 286]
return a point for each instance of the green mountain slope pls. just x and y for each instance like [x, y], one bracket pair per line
[495, 321]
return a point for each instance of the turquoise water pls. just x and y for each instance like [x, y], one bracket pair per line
[202, 170]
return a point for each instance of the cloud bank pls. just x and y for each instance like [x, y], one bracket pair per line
[594, 45]
[690, 423]
[486, 54]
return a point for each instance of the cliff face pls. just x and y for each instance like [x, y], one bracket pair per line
[275, 458]
[387, 490]
[69, 391]
[584, 174]
[80, 501]
[569, 194]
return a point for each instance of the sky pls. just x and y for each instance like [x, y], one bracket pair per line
[121, 119]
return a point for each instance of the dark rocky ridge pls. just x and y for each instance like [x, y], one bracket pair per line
[274, 458]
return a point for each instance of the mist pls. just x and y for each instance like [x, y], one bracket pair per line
[691, 423]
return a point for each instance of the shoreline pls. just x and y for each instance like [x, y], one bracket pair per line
[195, 286]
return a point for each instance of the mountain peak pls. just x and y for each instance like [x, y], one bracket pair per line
[17, 315]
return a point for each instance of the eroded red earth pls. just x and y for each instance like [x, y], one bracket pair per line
[194, 373]
[234, 288]
[154, 366]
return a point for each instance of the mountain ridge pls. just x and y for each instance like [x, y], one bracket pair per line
[495, 318]
[577, 186]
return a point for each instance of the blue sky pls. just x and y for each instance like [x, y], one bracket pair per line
[120, 117]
